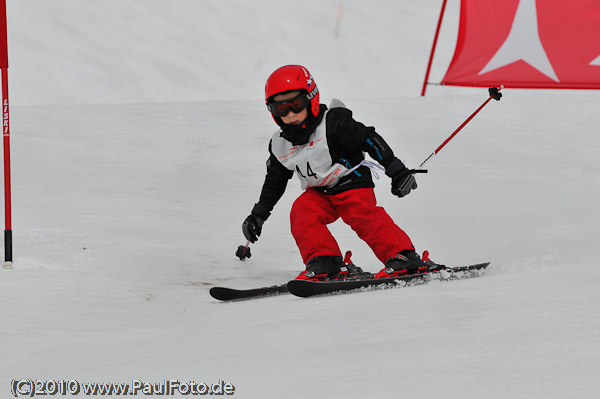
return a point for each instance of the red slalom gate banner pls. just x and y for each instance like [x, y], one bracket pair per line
[527, 44]
[6, 137]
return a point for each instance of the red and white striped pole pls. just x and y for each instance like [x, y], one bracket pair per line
[6, 134]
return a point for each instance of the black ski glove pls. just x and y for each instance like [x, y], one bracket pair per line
[252, 227]
[403, 180]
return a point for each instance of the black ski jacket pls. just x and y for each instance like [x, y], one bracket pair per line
[347, 140]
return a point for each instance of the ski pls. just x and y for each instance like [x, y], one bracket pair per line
[231, 294]
[306, 288]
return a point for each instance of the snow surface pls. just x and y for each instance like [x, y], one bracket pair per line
[139, 137]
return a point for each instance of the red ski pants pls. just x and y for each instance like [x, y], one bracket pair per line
[313, 211]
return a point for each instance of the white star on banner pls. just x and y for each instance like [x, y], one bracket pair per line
[596, 61]
[523, 43]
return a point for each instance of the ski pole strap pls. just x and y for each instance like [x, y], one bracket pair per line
[374, 166]
[369, 164]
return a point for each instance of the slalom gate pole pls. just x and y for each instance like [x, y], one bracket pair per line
[6, 138]
[7, 191]
[494, 93]
[435, 39]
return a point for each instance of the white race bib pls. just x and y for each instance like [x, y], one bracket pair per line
[311, 161]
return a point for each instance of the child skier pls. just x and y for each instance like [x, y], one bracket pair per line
[325, 148]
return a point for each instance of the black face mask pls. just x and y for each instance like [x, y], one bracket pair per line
[299, 134]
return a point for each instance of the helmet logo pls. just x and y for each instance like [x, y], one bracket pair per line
[312, 93]
[308, 76]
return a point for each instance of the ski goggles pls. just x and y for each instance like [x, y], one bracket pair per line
[282, 108]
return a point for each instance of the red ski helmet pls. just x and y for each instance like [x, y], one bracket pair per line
[290, 78]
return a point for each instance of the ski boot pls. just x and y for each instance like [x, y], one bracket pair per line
[433, 267]
[350, 271]
[403, 264]
[322, 268]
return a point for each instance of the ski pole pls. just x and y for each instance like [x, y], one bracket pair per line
[243, 251]
[494, 93]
